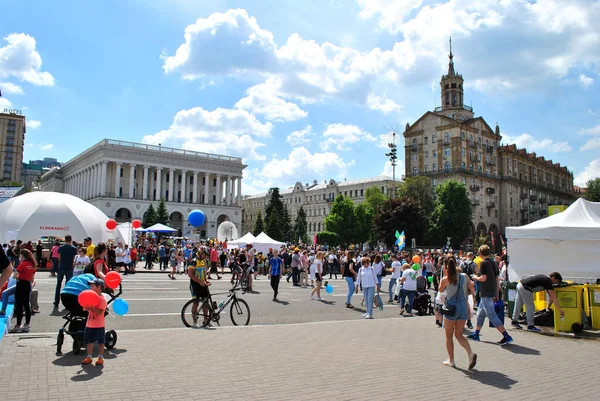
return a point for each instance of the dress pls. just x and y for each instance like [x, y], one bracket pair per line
[460, 301]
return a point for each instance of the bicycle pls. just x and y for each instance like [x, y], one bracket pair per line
[209, 311]
[240, 277]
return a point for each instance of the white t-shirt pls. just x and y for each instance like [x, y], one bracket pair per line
[378, 267]
[119, 255]
[397, 266]
[127, 257]
[81, 261]
[331, 257]
[410, 284]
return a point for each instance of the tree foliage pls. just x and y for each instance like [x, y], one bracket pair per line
[149, 218]
[301, 226]
[375, 199]
[259, 225]
[364, 223]
[593, 190]
[328, 238]
[451, 216]
[341, 220]
[162, 214]
[286, 225]
[275, 203]
[274, 226]
[404, 213]
[421, 189]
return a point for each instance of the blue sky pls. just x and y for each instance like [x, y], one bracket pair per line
[301, 90]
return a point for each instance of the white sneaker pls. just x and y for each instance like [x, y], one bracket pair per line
[320, 299]
[364, 315]
[196, 326]
[368, 317]
[312, 297]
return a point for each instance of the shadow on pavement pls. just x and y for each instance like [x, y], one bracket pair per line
[517, 349]
[87, 372]
[284, 303]
[56, 312]
[328, 302]
[70, 359]
[490, 378]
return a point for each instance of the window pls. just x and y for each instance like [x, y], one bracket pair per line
[154, 195]
[434, 167]
[167, 175]
[463, 152]
[433, 182]
[121, 190]
[464, 180]
[426, 140]
[426, 168]
[446, 152]
[414, 142]
[356, 193]
[447, 167]
[167, 194]
[414, 157]
[462, 135]
[179, 179]
[383, 190]
[447, 137]
[415, 171]
[434, 154]
[121, 173]
[463, 166]
[134, 173]
[433, 138]
[362, 192]
[426, 155]
[191, 196]
[214, 182]
[191, 180]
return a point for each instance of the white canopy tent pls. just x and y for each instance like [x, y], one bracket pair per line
[567, 242]
[241, 242]
[160, 228]
[43, 214]
[263, 242]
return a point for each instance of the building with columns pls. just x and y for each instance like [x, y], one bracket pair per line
[123, 178]
[507, 186]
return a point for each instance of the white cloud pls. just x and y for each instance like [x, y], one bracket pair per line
[300, 137]
[585, 81]
[20, 59]
[593, 143]
[527, 141]
[5, 103]
[47, 146]
[8, 88]
[392, 12]
[590, 172]
[343, 136]
[382, 103]
[300, 163]
[593, 113]
[221, 131]
[263, 99]
[388, 170]
[33, 124]
[590, 131]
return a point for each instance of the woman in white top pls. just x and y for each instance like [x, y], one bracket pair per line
[80, 262]
[318, 274]
[396, 274]
[368, 280]
[378, 267]
[409, 288]
[312, 268]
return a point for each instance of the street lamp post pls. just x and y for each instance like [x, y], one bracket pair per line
[393, 158]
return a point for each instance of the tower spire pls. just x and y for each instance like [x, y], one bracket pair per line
[451, 62]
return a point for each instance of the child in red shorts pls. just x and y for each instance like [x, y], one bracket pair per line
[94, 328]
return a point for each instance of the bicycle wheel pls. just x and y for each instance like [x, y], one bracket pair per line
[202, 312]
[239, 312]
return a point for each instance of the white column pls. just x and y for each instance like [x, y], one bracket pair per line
[145, 185]
[183, 185]
[228, 191]
[117, 178]
[98, 178]
[195, 194]
[103, 180]
[88, 182]
[77, 185]
[239, 191]
[81, 185]
[219, 191]
[158, 183]
[131, 179]
[206, 186]
[171, 184]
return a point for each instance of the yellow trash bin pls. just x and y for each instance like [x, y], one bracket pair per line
[539, 300]
[570, 300]
[594, 299]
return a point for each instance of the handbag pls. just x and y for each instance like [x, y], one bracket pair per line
[450, 310]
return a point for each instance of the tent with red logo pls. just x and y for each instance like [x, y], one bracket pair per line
[51, 214]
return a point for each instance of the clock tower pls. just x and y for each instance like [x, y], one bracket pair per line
[452, 91]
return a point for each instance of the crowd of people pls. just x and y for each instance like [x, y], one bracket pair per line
[461, 283]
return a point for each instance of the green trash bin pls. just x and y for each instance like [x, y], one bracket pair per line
[509, 295]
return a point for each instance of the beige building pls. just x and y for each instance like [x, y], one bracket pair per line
[315, 198]
[12, 139]
[450, 143]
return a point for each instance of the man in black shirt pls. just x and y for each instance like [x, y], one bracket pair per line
[488, 290]
[66, 259]
[525, 290]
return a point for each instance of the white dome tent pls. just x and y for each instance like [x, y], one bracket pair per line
[43, 214]
[227, 231]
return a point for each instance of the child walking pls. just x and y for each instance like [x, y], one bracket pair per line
[24, 275]
[94, 329]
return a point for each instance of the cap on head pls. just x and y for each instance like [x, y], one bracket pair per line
[97, 281]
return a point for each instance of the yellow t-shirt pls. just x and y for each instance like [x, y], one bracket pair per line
[200, 269]
[90, 251]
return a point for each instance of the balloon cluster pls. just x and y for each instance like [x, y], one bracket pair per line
[416, 259]
[90, 299]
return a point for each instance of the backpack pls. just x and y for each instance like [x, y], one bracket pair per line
[89, 268]
[470, 270]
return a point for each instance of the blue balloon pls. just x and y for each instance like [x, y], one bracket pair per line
[120, 306]
[329, 288]
[196, 218]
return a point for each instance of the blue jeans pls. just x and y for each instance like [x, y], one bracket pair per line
[6, 294]
[62, 274]
[369, 293]
[392, 282]
[411, 298]
[486, 308]
[379, 280]
[351, 286]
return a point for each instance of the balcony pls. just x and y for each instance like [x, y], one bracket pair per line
[523, 196]
[474, 188]
[475, 201]
[490, 161]
[446, 142]
[524, 208]
[489, 149]
[414, 148]
[542, 200]
[533, 198]
[472, 144]
[491, 204]
[464, 107]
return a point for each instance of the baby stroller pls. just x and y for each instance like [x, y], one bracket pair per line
[423, 304]
[76, 321]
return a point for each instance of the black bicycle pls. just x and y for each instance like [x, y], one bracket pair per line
[240, 276]
[200, 312]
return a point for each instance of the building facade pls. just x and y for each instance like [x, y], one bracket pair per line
[47, 162]
[507, 186]
[315, 198]
[123, 178]
[12, 140]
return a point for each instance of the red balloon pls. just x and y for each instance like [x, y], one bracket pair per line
[136, 224]
[88, 299]
[112, 280]
[111, 224]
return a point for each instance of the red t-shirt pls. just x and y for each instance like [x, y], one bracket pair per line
[26, 271]
[133, 254]
[100, 266]
[214, 255]
[96, 321]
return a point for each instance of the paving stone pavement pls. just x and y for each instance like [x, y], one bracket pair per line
[380, 359]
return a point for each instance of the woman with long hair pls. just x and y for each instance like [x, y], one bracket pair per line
[367, 279]
[100, 267]
[24, 275]
[457, 286]
[349, 275]
[318, 276]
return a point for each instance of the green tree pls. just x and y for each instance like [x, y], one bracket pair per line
[286, 225]
[421, 189]
[375, 199]
[259, 226]
[328, 238]
[162, 214]
[301, 226]
[452, 213]
[364, 222]
[149, 217]
[275, 203]
[593, 190]
[400, 214]
[341, 220]
[274, 227]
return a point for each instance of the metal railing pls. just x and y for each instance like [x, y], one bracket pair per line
[464, 107]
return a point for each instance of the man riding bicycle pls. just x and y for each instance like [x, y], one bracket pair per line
[199, 285]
